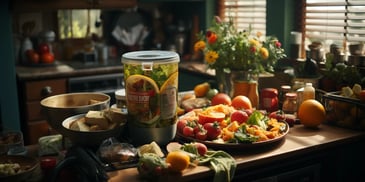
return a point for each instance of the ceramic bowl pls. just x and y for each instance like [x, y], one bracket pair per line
[59, 107]
[88, 138]
[29, 166]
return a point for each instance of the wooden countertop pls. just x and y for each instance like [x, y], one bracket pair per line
[299, 141]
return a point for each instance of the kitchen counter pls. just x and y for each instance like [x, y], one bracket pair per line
[301, 145]
[66, 69]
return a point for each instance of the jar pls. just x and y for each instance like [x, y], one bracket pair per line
[269, 99]
[283, 90]
[290, 103]
[120, 100]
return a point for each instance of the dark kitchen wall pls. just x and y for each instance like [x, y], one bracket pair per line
[9, 112]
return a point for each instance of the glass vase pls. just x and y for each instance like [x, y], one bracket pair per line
[239, 82]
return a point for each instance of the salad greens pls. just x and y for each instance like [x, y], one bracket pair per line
[259, 119]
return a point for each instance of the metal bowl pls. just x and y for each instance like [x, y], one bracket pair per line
[89, 138]
[59, 107]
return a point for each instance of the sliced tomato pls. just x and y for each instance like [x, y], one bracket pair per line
[211, 117]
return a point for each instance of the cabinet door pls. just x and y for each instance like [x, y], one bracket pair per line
[37, 130]
[37, 90]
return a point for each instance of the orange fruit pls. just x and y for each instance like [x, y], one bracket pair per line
[221, 98]
[202, 89]
[241, 102]
[311, 113]
[178, 160]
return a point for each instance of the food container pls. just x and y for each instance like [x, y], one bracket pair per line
[344, 112]
[151, 85]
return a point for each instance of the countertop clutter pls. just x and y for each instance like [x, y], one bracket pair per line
[325, 154]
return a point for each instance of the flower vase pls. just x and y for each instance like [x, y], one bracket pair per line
[245, 83]
[238, 82]
[223, 81]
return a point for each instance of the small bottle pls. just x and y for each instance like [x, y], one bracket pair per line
[290, 105]
[308, 92]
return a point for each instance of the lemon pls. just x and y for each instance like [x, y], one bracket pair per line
[133, 79]
[171, 81]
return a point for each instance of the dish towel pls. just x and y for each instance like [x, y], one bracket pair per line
[222, 163]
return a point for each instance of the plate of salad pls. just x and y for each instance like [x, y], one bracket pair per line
[224, 127]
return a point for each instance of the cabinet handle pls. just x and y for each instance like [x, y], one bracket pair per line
[47, 90]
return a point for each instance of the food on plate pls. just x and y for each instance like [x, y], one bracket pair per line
[241, 102]
[99, 120]
[311, 113]
[253, 126]
[194, 103]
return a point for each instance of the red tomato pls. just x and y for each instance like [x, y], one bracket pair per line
[188, 131]
[279, 115]
[43, 48]
[212, 117]
[47, 58]
[181, 125]
[213, 130]
[201, 134]
[241, 102]
[221, 98]
[239, 116]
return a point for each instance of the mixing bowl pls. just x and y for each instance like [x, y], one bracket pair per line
[59, 107]
[89, 138]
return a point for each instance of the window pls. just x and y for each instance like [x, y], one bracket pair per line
[78, 23]
[245, 13]
[335, 21]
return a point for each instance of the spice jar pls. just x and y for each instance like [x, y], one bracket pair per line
[120, 100]
[269, 99]
[290, 103]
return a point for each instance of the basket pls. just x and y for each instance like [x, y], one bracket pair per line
[343, 111]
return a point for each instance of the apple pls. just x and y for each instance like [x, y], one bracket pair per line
[43, 48]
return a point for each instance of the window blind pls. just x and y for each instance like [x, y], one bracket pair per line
[245, 13]
[335, 21]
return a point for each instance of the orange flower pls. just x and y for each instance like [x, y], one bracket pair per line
[199, 46]
[211, 57]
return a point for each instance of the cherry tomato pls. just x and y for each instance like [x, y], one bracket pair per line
[181, 125]
[213, 130]
[239, 116]
[200, 133]
[188, 131]
[221, 98]
[32, 56]
[279, 115]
